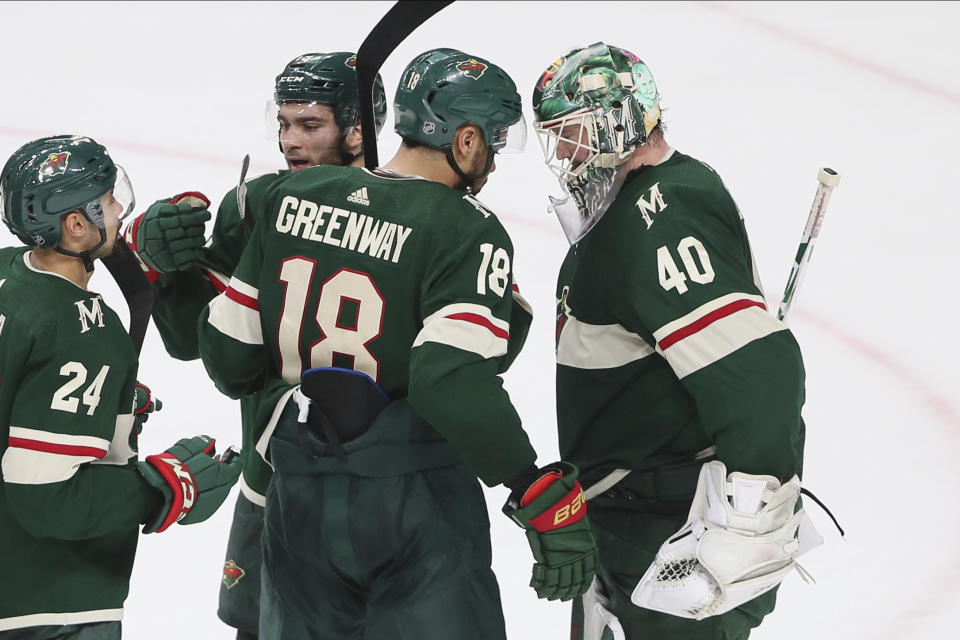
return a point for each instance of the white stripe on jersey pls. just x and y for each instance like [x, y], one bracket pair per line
[466, 326]
[713, 331]
[251, 495]
[598, 346]
[235, 313]
[43, 457]
[60, 619]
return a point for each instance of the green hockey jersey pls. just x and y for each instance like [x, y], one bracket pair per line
[182, 295]
[395, 276]
[70, 496]
[665, 347]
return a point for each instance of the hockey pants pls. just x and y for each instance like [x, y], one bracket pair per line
[404, 557]
[240, 582]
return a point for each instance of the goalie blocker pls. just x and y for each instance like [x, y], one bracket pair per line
[742, 537]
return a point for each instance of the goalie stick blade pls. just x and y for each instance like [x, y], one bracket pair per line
[400, 21]
[136, 289]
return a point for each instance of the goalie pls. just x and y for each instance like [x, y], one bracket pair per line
[678, 393]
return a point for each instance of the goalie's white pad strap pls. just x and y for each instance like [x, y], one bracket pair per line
[596, 617]
[725, 556]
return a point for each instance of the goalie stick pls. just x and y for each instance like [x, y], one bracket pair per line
[125, 269]
[828, 179]
[400, 21]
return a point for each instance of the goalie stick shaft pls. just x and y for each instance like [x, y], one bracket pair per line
[400, 21]
[828, 179]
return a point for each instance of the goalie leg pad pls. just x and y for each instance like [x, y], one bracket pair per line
[740, 540]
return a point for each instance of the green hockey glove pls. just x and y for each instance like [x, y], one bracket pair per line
[552, 510]
[193, 482]
[169, 236]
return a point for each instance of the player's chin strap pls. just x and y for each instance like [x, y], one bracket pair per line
[85, 255]
[469, 178]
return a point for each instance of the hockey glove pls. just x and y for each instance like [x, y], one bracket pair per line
[144, 403]
[552, 510]
[170, 235]
[193, 482]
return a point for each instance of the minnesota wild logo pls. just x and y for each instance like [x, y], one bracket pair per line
[54, 165]
[472, 68]
[351, 62]
[232, 574]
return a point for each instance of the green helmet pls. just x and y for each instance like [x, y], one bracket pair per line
[331, 79]
[609, 91]
[50, 177]
[442, 89]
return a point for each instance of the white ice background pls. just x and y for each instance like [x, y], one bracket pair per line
[766, 93]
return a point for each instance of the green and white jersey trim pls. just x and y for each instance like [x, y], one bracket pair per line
[251, 495]
[26, 261]
[43, 457]
[58, 619]
[598, 346]
[714, 330]
[466, 326]
[236, 312]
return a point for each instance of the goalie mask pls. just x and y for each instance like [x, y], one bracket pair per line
[592, 108]
[50, 177]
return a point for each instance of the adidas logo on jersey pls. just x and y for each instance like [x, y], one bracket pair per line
[360, 197]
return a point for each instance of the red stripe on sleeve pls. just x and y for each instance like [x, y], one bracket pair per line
[215, 281]
[483, 322]
[61, 449]
[242, 299]
[724, 311]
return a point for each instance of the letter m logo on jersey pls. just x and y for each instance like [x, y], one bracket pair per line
[90, 317]
[651, 205]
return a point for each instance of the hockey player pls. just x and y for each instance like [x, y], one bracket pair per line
[389, 295]
[314, 113]
[670, 370]
[72, 491]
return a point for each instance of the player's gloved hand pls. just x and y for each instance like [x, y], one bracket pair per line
[144, 404]
[193, 482]
[551, 507]
[169, 236]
